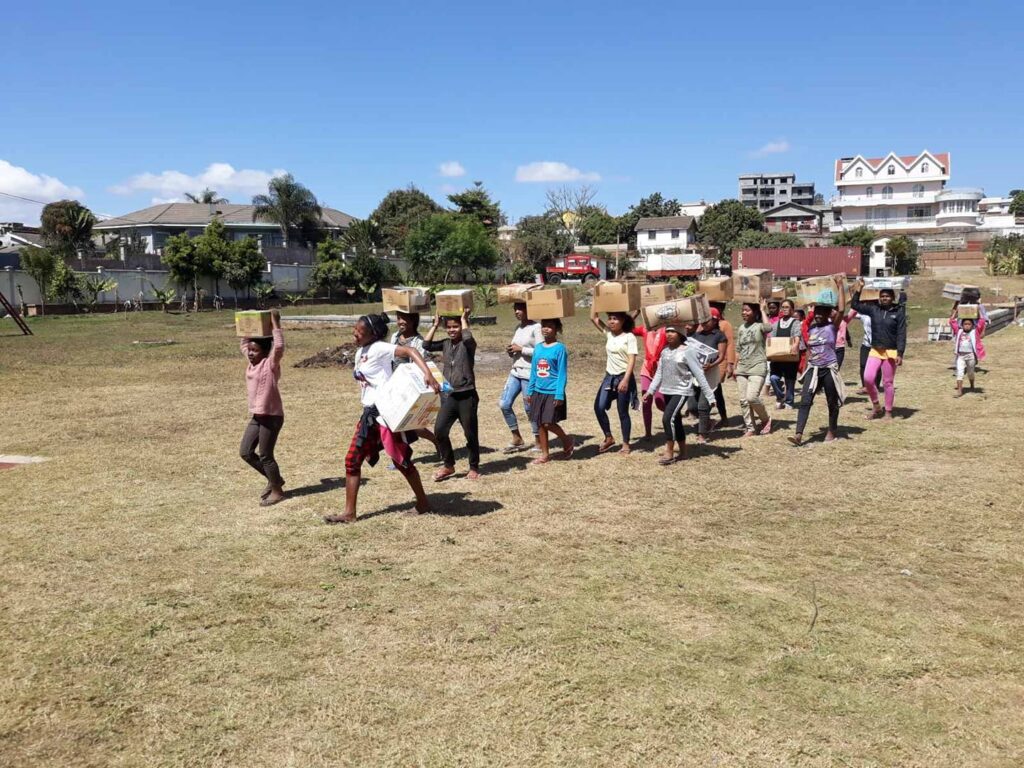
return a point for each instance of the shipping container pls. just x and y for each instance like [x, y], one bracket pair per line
[800, 262]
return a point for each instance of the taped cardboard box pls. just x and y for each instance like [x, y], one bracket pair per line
[616, 296]
[967, 312]
[406, 300]
[454, 302]
[657, 293]
[681, 311]
[405, 402]
[253, 324]
[783, 349]
[716, 288]
[752, 285]
[550, 304]
[513, 293]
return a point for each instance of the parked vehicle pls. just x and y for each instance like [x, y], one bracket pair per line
[801, 262]
[662, 266]
[576, 266]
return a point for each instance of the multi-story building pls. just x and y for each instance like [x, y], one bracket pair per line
[901, 194]
[665, 234]
[765, 191]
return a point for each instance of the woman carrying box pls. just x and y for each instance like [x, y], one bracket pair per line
[525, 339]
[373, 367]
[888, 343]
[782, 375]
[618, 384]
[750, 368]
[266, 410]
[822, 372]
[654, 343]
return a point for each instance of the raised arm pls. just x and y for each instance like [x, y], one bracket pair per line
[277, 351]
[855, 303]
[597, 321]
[428, 341]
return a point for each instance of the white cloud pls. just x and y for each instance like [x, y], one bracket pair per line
[772, 148]
[548, 171]
[15, 180]
[165, 200]
[452, 169]
[221, 177]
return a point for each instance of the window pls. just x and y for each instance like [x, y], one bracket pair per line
[859, 172]
[892, 170]
[919, 212]
[870, 192]
[919, 190]
[782, 192]
[651, 234]
[887, 193]
[924, 167]
[879, 249]
[675, 234]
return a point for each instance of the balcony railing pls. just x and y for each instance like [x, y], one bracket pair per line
[901, 198]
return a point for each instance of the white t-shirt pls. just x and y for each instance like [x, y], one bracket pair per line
[373, 368]
[619, 348]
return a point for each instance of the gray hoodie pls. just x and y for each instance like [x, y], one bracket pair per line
[678, 370]
[527, 338]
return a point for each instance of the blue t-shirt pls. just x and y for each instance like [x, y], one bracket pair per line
[549, 370]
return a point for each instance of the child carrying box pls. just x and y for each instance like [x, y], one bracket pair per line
[462, 403]
[266, 410]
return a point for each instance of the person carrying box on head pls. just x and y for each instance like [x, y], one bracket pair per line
[266, 411]
[619, 383]
[966, 353]
[545, 391]
[888, 344]
[526, 338]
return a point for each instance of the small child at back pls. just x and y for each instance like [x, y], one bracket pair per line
[266, 410]
[965, 344]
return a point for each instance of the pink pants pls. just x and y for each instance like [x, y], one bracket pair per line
[888, 380]
[648, 407]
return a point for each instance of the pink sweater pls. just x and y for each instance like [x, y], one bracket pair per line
[261, 380]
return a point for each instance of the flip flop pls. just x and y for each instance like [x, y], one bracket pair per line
[767, 428]
[443, 474]
[665, 462]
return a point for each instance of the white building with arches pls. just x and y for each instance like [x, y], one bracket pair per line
[899, 193]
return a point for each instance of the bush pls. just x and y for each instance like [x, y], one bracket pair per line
[1005, 255]
[521, 272]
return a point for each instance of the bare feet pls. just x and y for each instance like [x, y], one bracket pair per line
[875, 413]
[443, 474]
[700, 440]
[335, 519]
[958, 394]
[606, 445]
[473, 475]
[830, 437]
[540, 460]
[767, 428]
[749, 433]
[423, 509]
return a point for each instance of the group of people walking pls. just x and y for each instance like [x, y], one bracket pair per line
[683, 371]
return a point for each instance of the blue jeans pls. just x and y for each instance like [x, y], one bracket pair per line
[608, 394]
[783, 380]
[514, 387]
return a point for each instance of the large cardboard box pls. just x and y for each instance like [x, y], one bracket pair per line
[513, 293]
[405, 402]
[967, 312]
[952, 291]
[778, 294]
[408, 300]
[869, 294]
[690, 309]
[657, 293]
[716, 288]
[843, 285]
[550, 304]
[454, 302]
[253, 324]
[752, 285]
[784, 349]
[616, 296]
[822, 290]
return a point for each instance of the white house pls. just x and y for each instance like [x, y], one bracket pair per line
[662, 234]
[901, 194]
[996, 217]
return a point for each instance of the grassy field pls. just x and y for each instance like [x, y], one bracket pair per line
[858, 604]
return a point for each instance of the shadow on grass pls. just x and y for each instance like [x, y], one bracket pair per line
[513, 461]
[695, 451]
[456, 504]
[904, 413]
[326, 484]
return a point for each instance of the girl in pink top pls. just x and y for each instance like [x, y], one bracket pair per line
[265, 409]
[654, 343]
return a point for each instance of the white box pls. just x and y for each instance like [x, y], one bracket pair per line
[405, 402]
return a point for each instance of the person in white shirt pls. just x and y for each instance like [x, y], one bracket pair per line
[527, 336]
[619, 383]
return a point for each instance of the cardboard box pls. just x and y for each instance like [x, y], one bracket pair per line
[967, 312]
[514, 293]
[843, 285]
[253, 324]
[657, 293]
[405, 402]
[716, 288]
[752, 285]
[616, 296]
[690, 309]
[550, 304]
[778, 294]
[952, 291]
[408, 300]
[869, 294]
[894, 283]
[453, 303]
[785, 349]
[821, 290]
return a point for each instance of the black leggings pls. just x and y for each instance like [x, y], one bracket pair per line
[699, 404]
[672, 419]
[720, 402]
[609, 392]
[257, 449]
[460, 407]
[807, 398]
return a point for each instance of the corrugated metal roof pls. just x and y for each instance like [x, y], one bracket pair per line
[201, 214]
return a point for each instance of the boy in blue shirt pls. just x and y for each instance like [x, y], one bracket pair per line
[545, 391]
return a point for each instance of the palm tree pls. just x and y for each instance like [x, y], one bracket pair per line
[207, 197]
[287, 204]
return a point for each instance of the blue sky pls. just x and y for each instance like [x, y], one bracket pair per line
[122, 104]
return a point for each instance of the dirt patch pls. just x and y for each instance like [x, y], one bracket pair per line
[333, 357]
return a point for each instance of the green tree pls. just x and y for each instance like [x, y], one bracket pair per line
[41, 264]
[166, 295]
[207, 197]
[1005, 255]
[598, 227]
[214, 251]
[66, 285]
[653, 205]
[362, 236]
[185, 262]
[332, 275]
[66, 227]
[862, 237]
[476, 202]
[904, 254]
[94, 285]
[539, 239]
[243, 265]
[399, 212]
[756, 238]
[1017, 203]
[447, 244]
[290, 205]
[372, 272]
[723, 223]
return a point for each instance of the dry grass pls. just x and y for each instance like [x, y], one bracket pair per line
[602, 612]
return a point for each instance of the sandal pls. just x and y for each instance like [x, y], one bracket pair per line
[335, 519]
[664, 461]
[567, 453]
[767, 428]
[443, 474]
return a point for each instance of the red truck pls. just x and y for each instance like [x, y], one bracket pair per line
[801, 262]
[576, 266]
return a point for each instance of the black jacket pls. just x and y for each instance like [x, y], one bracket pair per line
[458, 360]
[888, 326]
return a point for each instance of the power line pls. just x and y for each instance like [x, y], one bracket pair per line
[19, 197]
